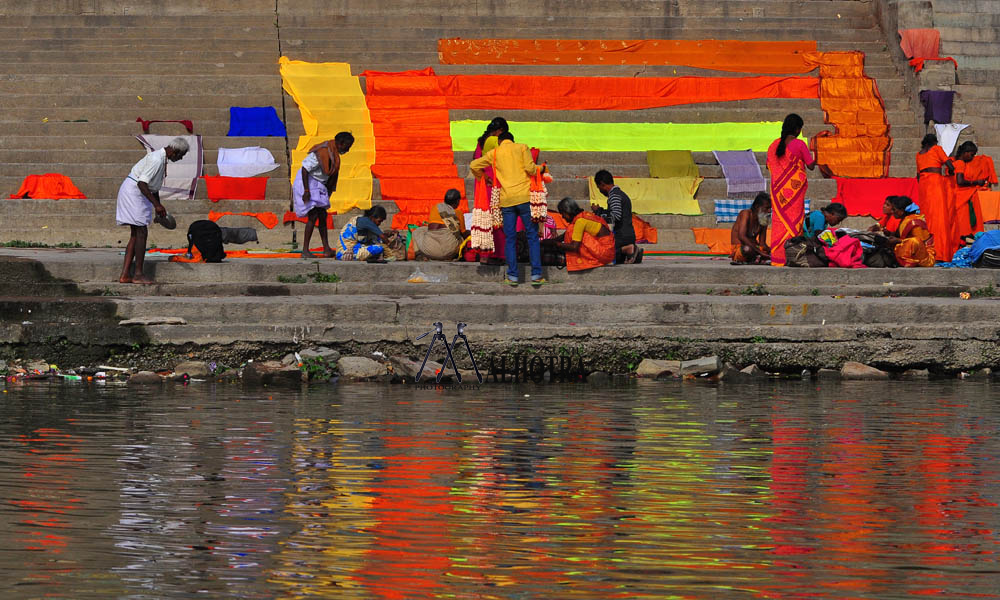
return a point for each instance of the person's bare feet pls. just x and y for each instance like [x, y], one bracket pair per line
[142, 280]
[124, 279]
[328, 253]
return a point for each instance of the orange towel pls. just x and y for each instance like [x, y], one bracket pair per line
[50, 186]
[721, 55]
[234, 188]
[717, 240]
[268, 219]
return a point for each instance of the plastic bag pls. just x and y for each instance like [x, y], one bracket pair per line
[419, 276]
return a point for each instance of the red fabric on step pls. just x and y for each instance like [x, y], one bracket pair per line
[866, 197]
[145, 124]
[234, 188]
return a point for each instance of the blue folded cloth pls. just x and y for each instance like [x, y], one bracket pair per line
[260, 121]
[727, 209]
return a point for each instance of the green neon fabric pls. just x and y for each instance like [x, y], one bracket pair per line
[556, 136]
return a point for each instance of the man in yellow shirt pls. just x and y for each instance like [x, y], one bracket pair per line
[512, 164]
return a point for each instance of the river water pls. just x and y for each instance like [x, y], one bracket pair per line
[645, 490]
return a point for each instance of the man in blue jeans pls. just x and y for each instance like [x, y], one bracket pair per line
[512, 164]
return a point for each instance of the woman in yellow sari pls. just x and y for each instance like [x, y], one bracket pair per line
[787, 160]
[912, 242]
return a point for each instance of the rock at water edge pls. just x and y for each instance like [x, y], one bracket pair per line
[194, 368]
[145, 378]
[650, 367]
[856, 370]
[700, 366]
[272, 372]
[359, 367]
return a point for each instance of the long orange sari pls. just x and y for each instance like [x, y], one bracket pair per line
[788, 194]
[968, 208]
[937, 202]
[917, 247]
[594, 251]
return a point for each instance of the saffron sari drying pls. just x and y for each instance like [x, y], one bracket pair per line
[788, 194]
[937, 202]
[968, 207]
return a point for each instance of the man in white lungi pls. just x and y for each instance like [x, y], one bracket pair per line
[138, 198]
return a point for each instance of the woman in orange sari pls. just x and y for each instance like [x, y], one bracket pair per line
[588, 242]
[912, 243]
[937, 196]
[787, 160]
[972, 173]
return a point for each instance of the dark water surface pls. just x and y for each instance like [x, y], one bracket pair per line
[777, 490]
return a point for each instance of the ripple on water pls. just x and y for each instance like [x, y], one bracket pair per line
[651, 490]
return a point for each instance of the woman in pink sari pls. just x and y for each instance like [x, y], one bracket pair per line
[787, 160]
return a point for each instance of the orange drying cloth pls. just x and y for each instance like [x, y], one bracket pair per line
[720, 55]
[291, 216]
[414, 161]
[644, 232]
[530, 92]
[234, 188]
[918, 63]
[920, 43]
[51, 186]
[860, 144]
[267, 219]
[717, 240]
[990, 202]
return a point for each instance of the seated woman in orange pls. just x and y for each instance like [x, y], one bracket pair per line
[588, 241]
[972, 173]
[937, 196]
[912, 243]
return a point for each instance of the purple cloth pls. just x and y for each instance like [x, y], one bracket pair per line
[742, 171]
[318, 196]
[937, 105]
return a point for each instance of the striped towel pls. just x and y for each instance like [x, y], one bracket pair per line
[743, 176]
[728, 209]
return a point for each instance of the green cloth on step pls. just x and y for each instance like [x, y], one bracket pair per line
[557, 136]
[671, 163]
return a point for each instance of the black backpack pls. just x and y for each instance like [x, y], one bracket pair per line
[206, 236]
[989, 259]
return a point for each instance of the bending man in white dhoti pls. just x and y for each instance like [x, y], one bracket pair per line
[138, 198]
[314, 183]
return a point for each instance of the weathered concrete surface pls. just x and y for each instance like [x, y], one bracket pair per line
[597, 316]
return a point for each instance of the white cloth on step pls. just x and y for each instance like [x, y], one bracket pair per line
[947, 135]
[181, 179]
[245, 162]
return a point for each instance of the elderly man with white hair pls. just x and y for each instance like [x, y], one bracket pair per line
[138, 198]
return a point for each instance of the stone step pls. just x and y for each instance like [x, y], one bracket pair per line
[980, 33]
[663, 309]
[85, 84]
[276, 145]
[955, 23]
[985, 52]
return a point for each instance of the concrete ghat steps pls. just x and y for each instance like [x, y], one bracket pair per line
[102, 266]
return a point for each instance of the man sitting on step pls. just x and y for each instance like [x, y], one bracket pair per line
[749, 234]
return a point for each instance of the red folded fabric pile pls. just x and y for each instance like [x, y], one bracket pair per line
[50, 186]
[234, 188]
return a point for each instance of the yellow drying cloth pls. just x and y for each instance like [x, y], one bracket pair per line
[330, 101]
[556, 136]
[671, 163]
[674, 195]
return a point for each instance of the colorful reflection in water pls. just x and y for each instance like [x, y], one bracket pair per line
[777, 490]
